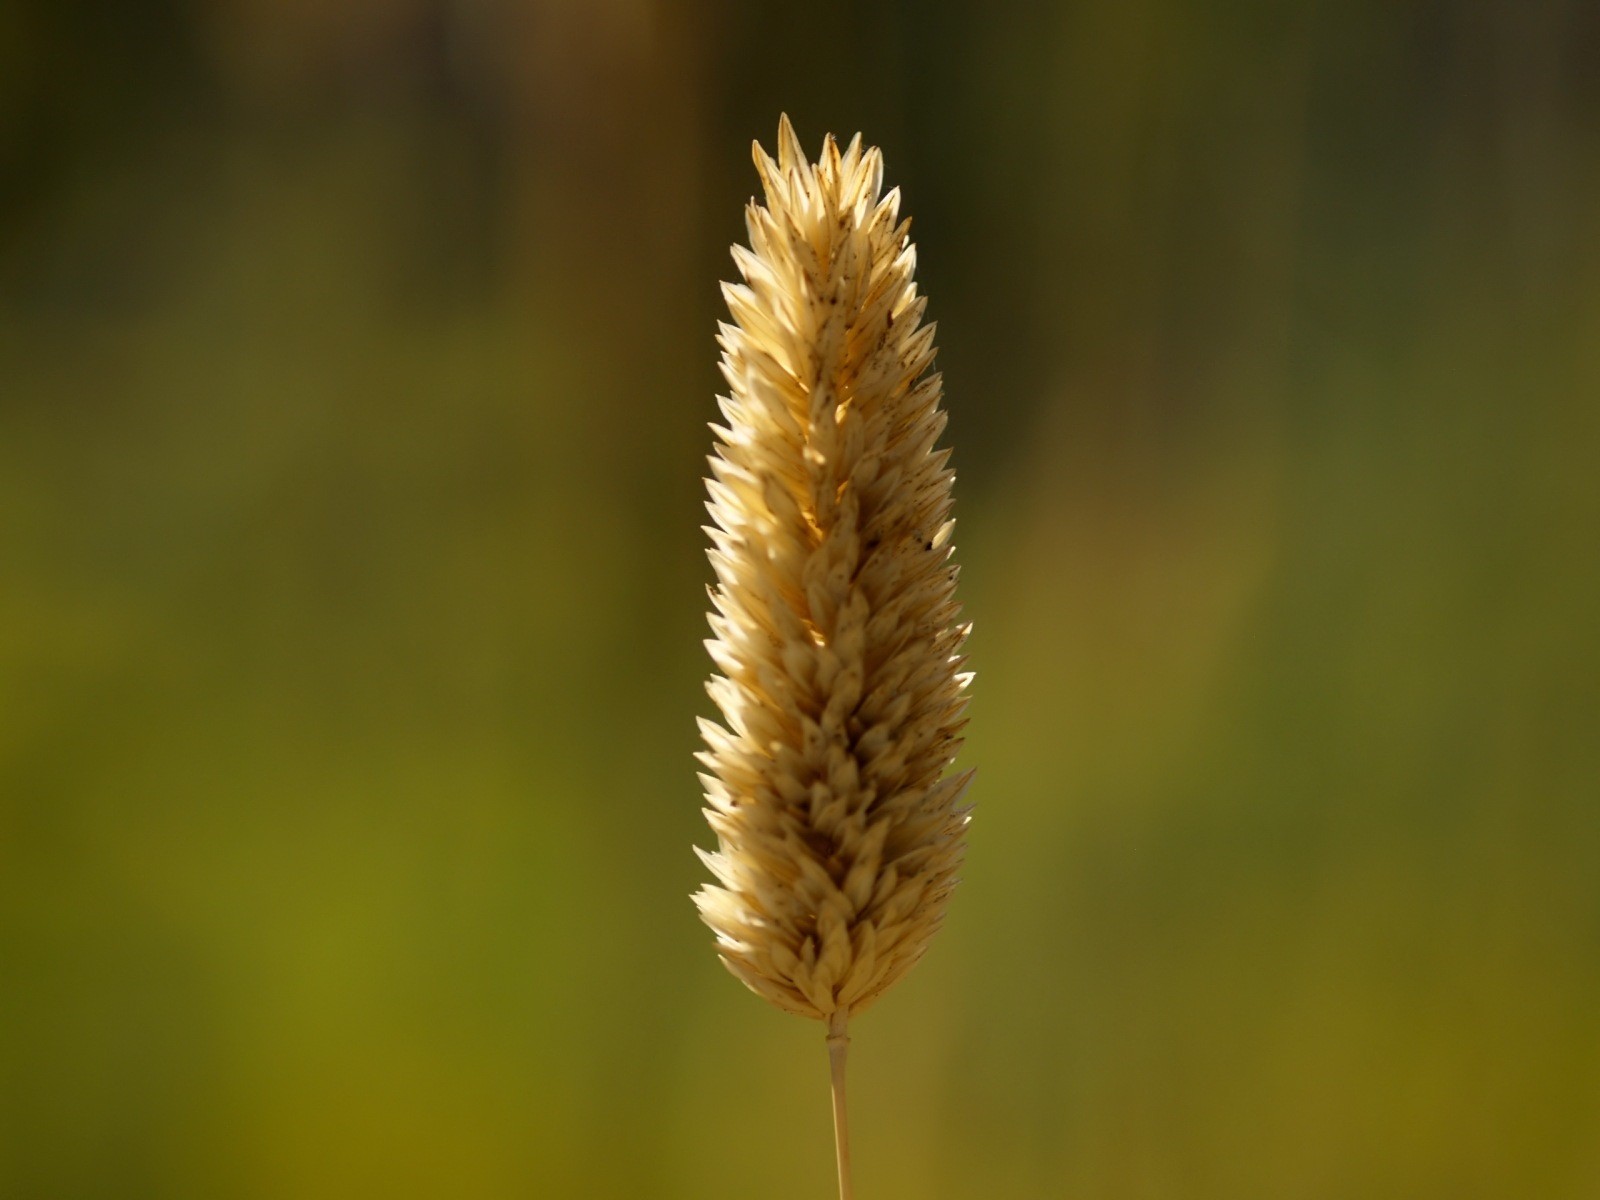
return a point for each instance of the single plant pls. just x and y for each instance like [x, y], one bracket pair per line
[837, 634]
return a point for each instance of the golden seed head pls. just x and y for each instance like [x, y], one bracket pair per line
[837, 634]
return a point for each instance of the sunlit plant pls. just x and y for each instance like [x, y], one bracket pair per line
[838, 639]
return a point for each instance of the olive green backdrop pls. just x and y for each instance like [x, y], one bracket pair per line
[355, 363]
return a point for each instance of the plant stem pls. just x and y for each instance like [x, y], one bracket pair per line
[838, 1044]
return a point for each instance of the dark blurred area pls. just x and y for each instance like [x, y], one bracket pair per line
[355, 364]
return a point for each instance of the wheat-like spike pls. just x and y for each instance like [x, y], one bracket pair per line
[837, 634]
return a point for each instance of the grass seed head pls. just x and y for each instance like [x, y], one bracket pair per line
[837, 635]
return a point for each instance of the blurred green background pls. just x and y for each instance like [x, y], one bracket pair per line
[355, 362]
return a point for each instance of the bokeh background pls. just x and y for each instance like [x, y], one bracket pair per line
[355, 363]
